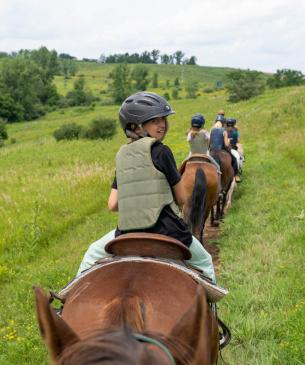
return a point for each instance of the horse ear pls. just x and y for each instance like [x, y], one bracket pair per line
[55, 331]
[198, 329]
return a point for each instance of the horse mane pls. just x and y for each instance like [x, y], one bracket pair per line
[125, 311]
[121, 347]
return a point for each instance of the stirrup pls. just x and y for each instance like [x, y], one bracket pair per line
[224, 336]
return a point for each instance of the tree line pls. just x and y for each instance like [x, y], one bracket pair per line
[27, 90]
[153, 57]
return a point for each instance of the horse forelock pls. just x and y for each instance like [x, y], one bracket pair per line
[127, 310]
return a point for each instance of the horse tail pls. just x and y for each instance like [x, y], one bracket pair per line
[127, 311]
[198, 200]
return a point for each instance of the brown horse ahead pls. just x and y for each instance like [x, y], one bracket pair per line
[131, 312]
[227, 178]
[202, 187]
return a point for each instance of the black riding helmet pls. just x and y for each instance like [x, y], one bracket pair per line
[197, 120]
[230, 122]
[142, 107]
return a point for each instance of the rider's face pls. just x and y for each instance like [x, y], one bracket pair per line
[156, 127]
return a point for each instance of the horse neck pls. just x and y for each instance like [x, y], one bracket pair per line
[125, 311]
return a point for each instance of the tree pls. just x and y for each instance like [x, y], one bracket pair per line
[178, 56]
[286, 77]
[121, 82]
[3, 131]
[102, 58]
[165, 59]
[66, 56]
[79, 96]
[191, 61]
[243, 85]
[68, 67]
[22, 86]
[140, 76]
[48, 61]
[155, 53]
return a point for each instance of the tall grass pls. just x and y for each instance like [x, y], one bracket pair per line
[53, 204]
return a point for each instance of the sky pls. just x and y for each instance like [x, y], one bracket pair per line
[263, 35]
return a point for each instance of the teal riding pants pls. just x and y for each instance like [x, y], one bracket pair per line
[200, 257]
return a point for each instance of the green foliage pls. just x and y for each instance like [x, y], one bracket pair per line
[79, 96]
[47, 61]
[175, 94]
[68, 67]
[155, 80]
[286, 77]
[3, 131]
[121, 82]
[139, 75]
[25, 86]
[208, 90]
[68, 132]
[166, 96]
[243, 85]
[178, 56]
[191, 61]
[191, 89]
[104, 128]
[177, 82]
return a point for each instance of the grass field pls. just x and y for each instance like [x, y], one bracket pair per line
[53, 204]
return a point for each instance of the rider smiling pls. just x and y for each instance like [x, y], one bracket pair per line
[147, 190]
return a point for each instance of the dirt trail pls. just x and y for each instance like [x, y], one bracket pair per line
[210, 243]
[210, 235]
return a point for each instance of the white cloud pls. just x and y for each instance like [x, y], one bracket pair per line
[256, 34]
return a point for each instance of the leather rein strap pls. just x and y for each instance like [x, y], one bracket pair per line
[142, 338]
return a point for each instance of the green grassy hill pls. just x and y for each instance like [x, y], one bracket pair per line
[53, 204]
[97, 76]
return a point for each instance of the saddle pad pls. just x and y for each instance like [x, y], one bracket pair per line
[214, 293]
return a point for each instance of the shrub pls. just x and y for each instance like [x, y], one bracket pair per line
[191, 90]
[286, 77]
[243, 85]
[68, 131]
[104, 128]
[175, 94]
[1, 142]
[3, 131]
[166, 96]
[208, 90]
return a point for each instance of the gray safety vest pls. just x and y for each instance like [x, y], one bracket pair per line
[143, 191]
[199, 144]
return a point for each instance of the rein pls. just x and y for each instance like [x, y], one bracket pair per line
[146, 339]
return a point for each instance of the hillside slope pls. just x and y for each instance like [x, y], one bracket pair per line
[53, 204]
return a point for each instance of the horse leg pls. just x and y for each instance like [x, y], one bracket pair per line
[222, 205]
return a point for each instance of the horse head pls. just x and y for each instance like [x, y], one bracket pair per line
[189, 343]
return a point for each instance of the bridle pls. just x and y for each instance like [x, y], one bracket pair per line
[153, 341]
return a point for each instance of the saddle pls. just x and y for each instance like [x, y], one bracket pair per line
[148, 245]
[196, 157]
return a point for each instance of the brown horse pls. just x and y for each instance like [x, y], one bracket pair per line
[227, 178]
[155, 302]
[202, 187]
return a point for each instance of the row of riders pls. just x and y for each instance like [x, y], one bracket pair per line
[150, 276]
